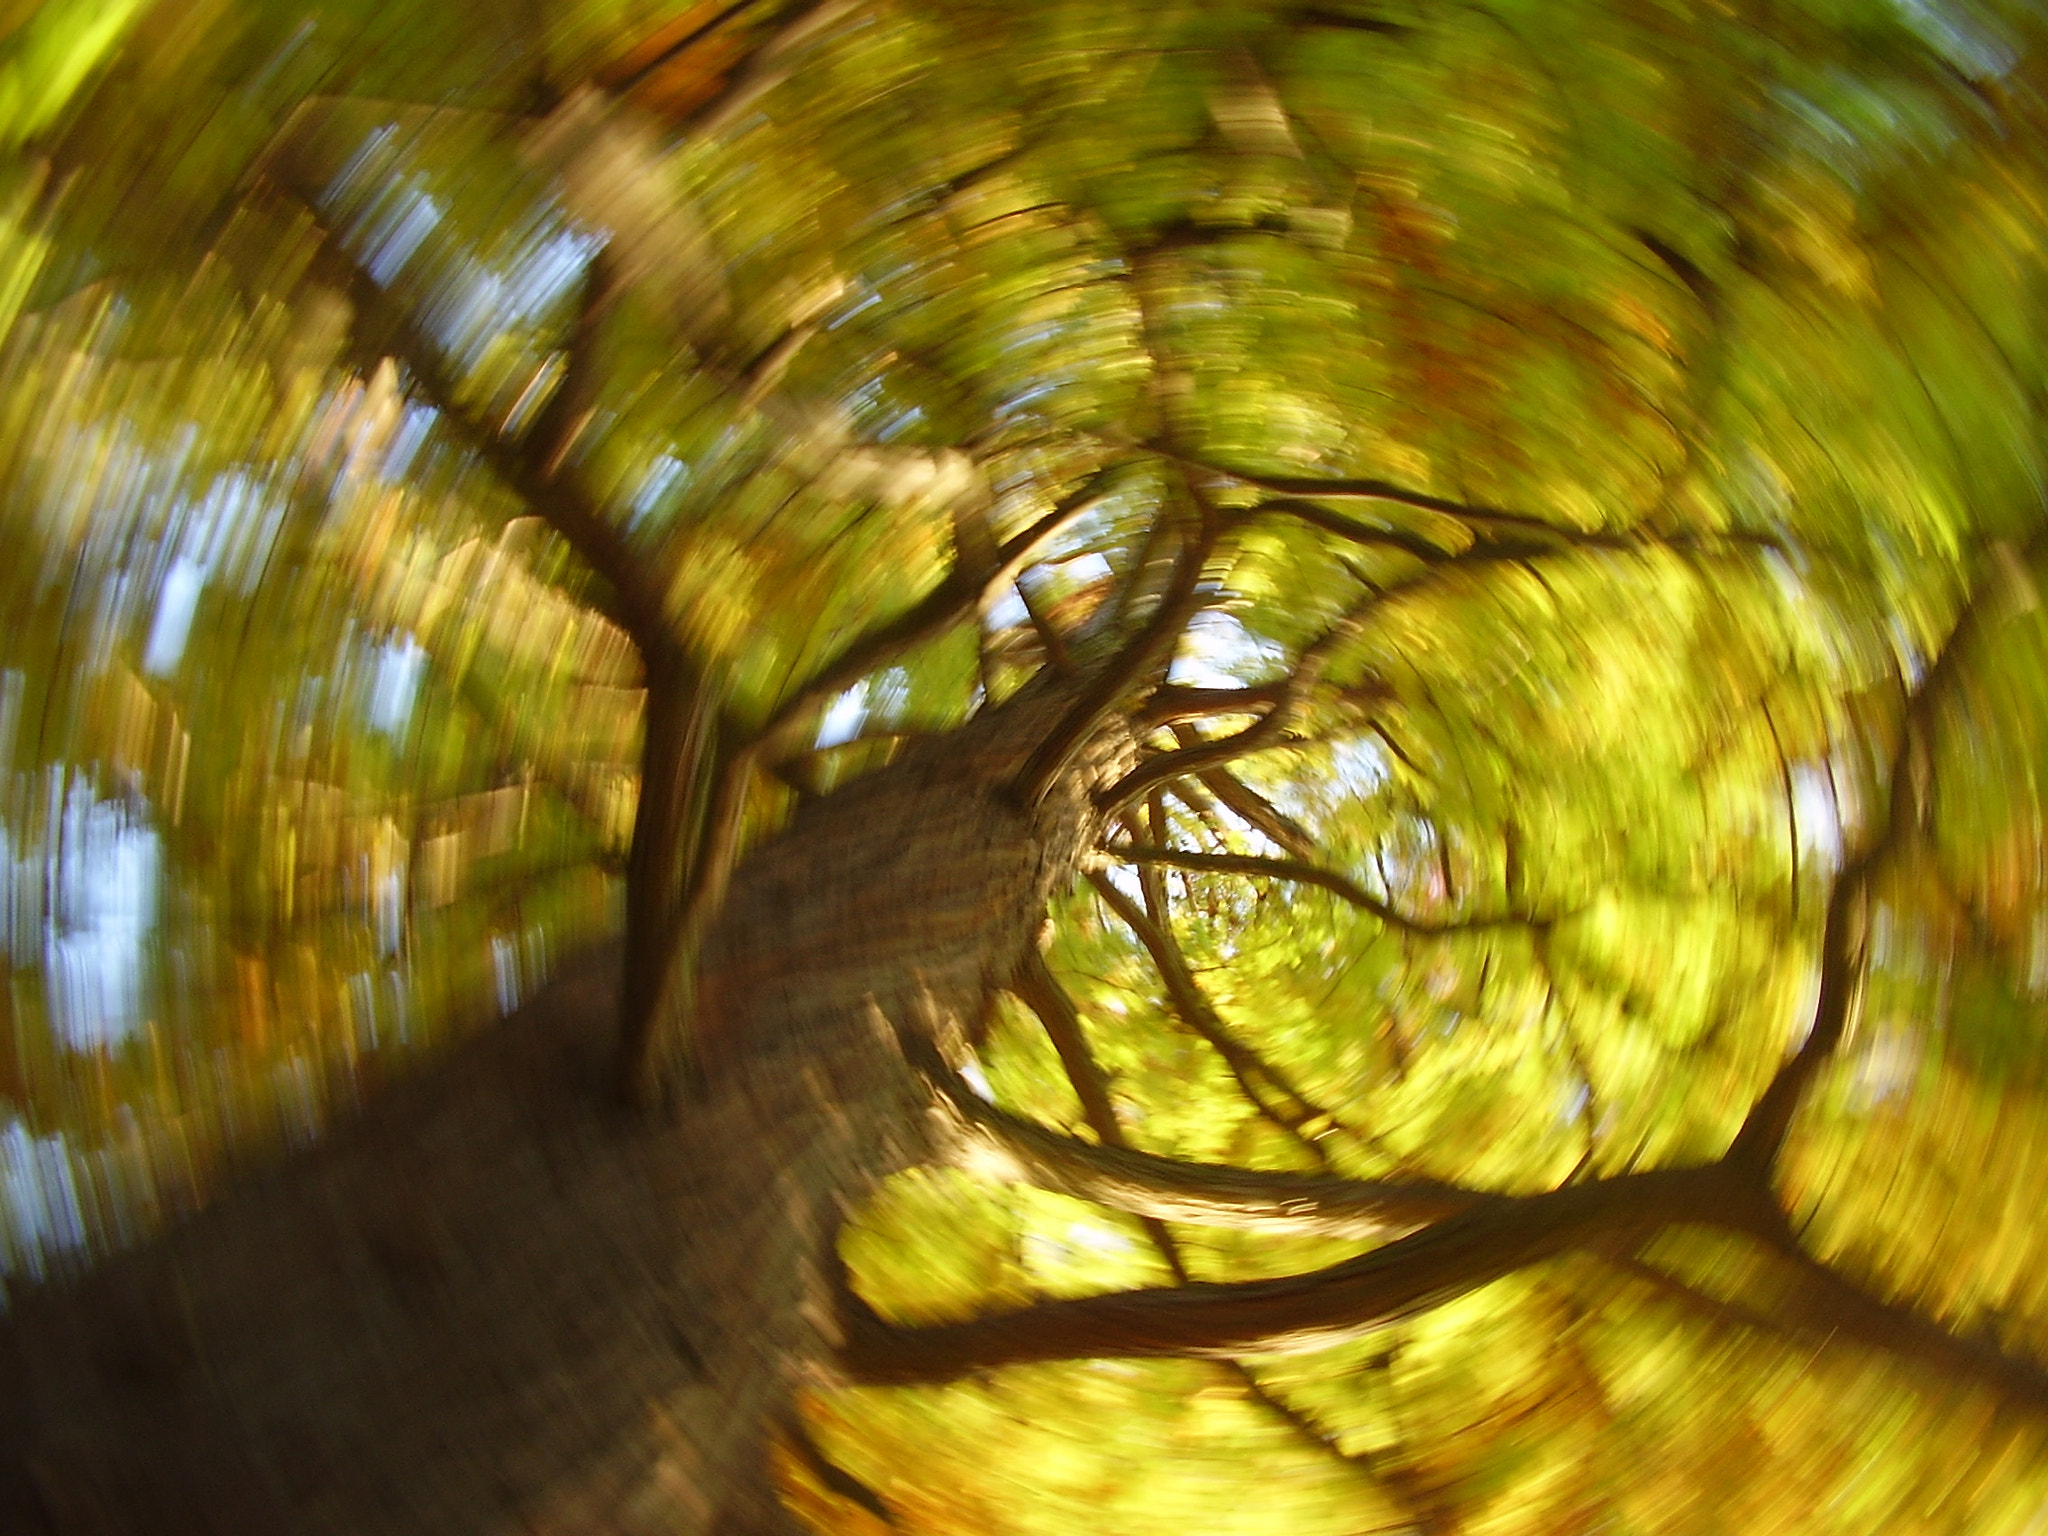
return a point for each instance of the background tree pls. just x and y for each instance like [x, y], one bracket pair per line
[1314, 732]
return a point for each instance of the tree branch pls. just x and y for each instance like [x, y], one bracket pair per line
[1822, 1305]
[1173, 702]
[1468, 1238]
[1341, 489]
[1303, 873]
[1429, 551]
[832, 1477]
[1308, 1311]
[947, 604]
[681, 728]
[1199, 804]
[1843, 935]
[766, 66]
[1199, 1194]
[1689, 1298]
[1054, 643]
[1263, 732]
[1255, 810]
[535, 470]
[657, 1027]
[1042, 993]
[1497, 534]
[1089, 1083]
[1826, 1305]
[1146, 650]
[1048, 999]
[1193, 1009]
[638, 65]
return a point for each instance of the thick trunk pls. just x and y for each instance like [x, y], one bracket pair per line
[499, 1303]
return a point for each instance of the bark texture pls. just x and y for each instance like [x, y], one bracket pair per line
[499, 1304]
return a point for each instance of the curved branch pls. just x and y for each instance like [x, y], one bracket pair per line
[532, 470]
[666, 47]
[1343, 489]
[662, 1005]
[1496, 535]
[767, 65]
[1199, 804]
[1049, 637]
[1263, 732]
[1308, 1311]
[1467, 1238]
[1089, 1083]
[1140, 655]
[1304, 873]
[1822, 1305]
[1042, 993]
[1255, 810]
[1843, 957]
[1199, 1194]
[682, 716]
[1828, 1305]
[1173, 702]
[832, 1477]
[1193, 1009]
[947, 604]
[1429, 551]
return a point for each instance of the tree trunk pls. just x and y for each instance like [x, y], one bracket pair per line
[497, 1303]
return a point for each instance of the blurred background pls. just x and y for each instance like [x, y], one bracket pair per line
[376, 377]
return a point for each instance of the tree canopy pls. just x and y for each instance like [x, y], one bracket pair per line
[1555, 489]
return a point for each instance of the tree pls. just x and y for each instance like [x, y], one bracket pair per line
[1317, 729]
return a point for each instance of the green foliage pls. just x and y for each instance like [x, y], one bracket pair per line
[1723, 326]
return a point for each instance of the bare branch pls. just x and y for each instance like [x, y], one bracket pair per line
[947, 604]
[1263, 732]
[1172, 702]
[767, 66]
[1467, 1238]
[1146, 650]
[535, 470]
[679, 755]
[1822, 1305]
[1825, 1304]
[1042, 993]
[1199, 1194]
[1344, 21]
[656, 1022]
[1304, 1426]
[1429, 1267]
[1340, 489]
[1055, 643]
[1429, 551]
[1089, 1083]
[1041, 990]
[1304, 873]
[1843, 935]
[662, 50]
[1495, 534]
[1193, 1009]
[1202, 806]
[1255, 810]
[1691, 1299]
